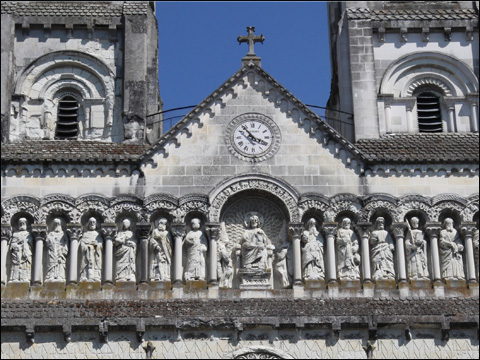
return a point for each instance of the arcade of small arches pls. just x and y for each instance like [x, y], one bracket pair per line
[249, 235]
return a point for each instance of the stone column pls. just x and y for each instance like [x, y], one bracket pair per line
[467, 229]
[108, 231]
[399, 233]
[295, 231]
[143, 230]
[6, 234]
[74, 232]
[410, 126]
[474, 118]
[213, 230]
[330, 231]
[388, 118]
[451, 119]
[178, 231]
[364, 231]
[433, 231]
[39, 232]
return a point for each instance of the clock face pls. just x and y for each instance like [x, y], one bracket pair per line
[253, 137]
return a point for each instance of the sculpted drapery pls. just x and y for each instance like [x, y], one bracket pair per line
[21, 253]
[196, 247]
[91, 250]
[416, 252]
[125, 253]
[451, 249]
[312, 252]
[160, 252]
[381, 252]
[57, 252]
[348, 258]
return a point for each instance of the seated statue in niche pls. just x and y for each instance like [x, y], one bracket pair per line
[416, 251]
[313, 265]
[160, 252]
[125, 253]
[21, 253]
[451, 249]
[91, 250]
[382, 252]
[57, 252]
[256, 246]
[348, 258]
[196, 247]
[224, 266]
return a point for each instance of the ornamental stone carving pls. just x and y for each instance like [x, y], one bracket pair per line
[59, 205]
[256, 246]
[416, 251]
[21, 253]
[160, 244]
[436, 210]
[125, 253]
[18, 204]
[91, 253]
[451, 250]
[348, 257]
[196, 248]
[56, 244]
[381, 252]
[284, 261]
[224, 265]
[369, 210]
[313, 264]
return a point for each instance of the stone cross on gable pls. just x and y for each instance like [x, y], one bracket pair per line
[251, 39]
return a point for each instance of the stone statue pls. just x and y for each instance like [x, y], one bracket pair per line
[160, 252]
[196, 247]
[224, 266]
[125, 253]
[255, 246]
[21, 253]
[451, 249]
[382, 252]
[313, 265]
[284, 266]
[57, 252]
[416, 252]
[91, 250]
[348, 258]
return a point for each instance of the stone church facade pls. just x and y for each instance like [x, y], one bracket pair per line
[252, 228]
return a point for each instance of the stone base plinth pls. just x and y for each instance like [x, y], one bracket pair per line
[196, 284]
[17, 290]
[350, 284]
[315, 284]
[49, 290]
[160, 285]
[125, 286]
[421, 284]
[89, 286]
[255, 279]
[457, 284]
[385, 284]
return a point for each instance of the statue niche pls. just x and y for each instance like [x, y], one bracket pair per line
[91, 251]
[21, 253]
[160, 244]
[57, 252]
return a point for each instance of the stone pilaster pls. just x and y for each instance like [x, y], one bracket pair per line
[330, 230]
[364, 232]
[108, 231]
[433, 230]
[143, 230]
[398, 230]
[74, 233]
[295, 231]
[178, 231]
[467, 229]
[213, 231]
[39, 232]
[6, 234]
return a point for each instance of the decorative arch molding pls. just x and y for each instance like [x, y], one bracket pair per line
[219, 196]
[343, 203]
[258, 352]
[56, 203]
[124, 204]
[19, 203]
[380, 202]
[409, 203]
[313, 202]
[434, 80]
[160, 202]
[415, 66]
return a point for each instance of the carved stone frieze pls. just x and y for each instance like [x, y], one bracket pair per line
[197, 203]
[57, 206]
[16, 204]
[338, 207]
[368, 210]
[125, 207]
[434, 211]
[312, 202]
[412, 203]
[162, 202]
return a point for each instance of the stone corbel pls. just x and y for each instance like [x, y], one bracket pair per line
[403, 35]
[90, 30]
[112, 29]
[447, 32]
[469, 32]
[103, 331]
[69, 30]
[67, 332]
[140, 330]
[425, 34]
[149, 349]
[336, 329]
[445, 330]
[25, 28]
[408, 333]
[372, 330]
[381, 34]
[30, 334]
[47, 29]
[39, 232]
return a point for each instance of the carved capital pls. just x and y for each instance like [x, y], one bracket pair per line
[363, 229]
[178, 230]
[213, 230]
[433, 229]
[143, 229]
[468, 229]
[74, 231]
[39, 231]
[398, 230]
[6, 232]
[295, 230]
[330, 228]
[109, 230]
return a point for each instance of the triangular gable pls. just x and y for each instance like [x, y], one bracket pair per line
[206, 105]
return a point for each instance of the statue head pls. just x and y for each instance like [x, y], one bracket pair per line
[254, 222]
[57, 225]
[92, 224]
[195, 223]
[162, 224]
[126, 224]
[380, 223]
[312, 222]
[22, 224]
[346, 222]
[414, 222]
[448, 224]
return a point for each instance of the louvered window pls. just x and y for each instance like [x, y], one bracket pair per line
[429, 113]
[67, 118]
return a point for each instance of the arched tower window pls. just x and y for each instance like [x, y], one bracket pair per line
[67, 119]
[429, 112]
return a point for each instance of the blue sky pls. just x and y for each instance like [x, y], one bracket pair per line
[198, 48]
